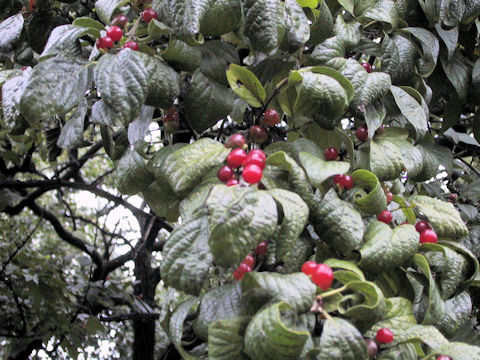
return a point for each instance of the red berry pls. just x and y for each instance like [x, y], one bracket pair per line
[131, 45]
[255, 159]
[105, 43]
[330, 153]
[372, 348]
[367, 67]
[241, 270]
[258, 134]
[120, 21]
[309, 267]
[232, 182]
[149, 14]
[347, 181]
[452, 197]
[385, 216]
[258, 152]
[337, 179]
[252, 173]
[380, 130]
[225, 173]
[271, 117]
[421, 226]
[362, 133]
[389, 196]
[170, 118]
[249, 260]
[235, 141]
[428, 236]
[261, 248]
[384, 336]
[443, 357]
[24, 68]
[114, 33]
[236, 158]
[323, 276]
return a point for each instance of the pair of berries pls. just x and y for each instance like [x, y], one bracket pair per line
[320, 274]
[253, 163]
[344, 181]
[427, 234]
[114, 33]
[248, 263]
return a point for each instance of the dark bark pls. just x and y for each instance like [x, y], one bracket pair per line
[25, 353]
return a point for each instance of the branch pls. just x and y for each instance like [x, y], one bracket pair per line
[469, 166]
[129, 316]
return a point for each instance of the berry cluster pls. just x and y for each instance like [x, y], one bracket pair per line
[320, 274]
[344, 181]
[252, 163]
[427, 234]
[248, 263]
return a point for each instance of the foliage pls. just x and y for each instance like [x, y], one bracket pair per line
[78, 118]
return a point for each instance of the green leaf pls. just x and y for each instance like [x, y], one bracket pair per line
[89, 23]
[260, 288]
[122, 82]
[6, 75]
[347, 5]
[319, 170]
[139, 127]
[216, 56]
[184, 167]
[176, 326]
[459, 72]
[399, 57]
[411, 109]
[161, 199]
[330, 53]
[206, 102]
[239, 218]
[384, 12]
[338, 223]
[430, 47]
[323, 26]
[374, 115]
[11, 29]
[349, 32]
[376, 86]
[64, 40]
[56, 85]
[385, 248]
[103, 115]
[323, 96]
[449, 38]
[221, 303]
[72, 133]
[459, 351]
[222, 17]
[157, 28]
[295, 216]
[182, 56]
[163, 82]
[385, 159]
[451, 12]
[442, 215]
[271, 334]
[186, 256]
[106, 8]
[340, 340]
[296, 24]
[433, 156]
[246, 85]
[133, 174]
[312, 4]
[225, 339]
[345, 266]
[457, 313]
[412, 157]
[264, 24]
[12, 91]
[372, 199]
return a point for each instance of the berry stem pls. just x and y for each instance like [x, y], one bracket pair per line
[275, 92]
[333, 292]
[325, 314]
[131, 33]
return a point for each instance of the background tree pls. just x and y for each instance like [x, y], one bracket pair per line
[353, 234]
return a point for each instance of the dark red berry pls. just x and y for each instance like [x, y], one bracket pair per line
[330, 153]
[258, 152]
[235, 141]
[252, 173]
[249, 260]
[428, 236]
[271, 117]
[452, 197]
[104, 43]
[372, 348]
[232, 182]
[389, 196]
[385, 216]
[258, 134]
[131, 45]
[114, 33]
[380, 130]
[384, 336]
[225, 173]
[24, 68]
[261, 248]
[421, 226]
[241, 270]
[256, 159]
[367, 67]
[337, 179]
[347, 181]
[323, 276]
[120, 21]
[362, 133]
[169, 117]
[443, 357]
[149, 14]
[236, 158]
[309, 267]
